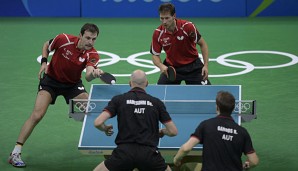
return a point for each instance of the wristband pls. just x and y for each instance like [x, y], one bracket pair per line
[43, 59]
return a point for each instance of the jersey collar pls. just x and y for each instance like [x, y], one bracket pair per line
[138, 89]
[225, 117]
[77, 44]
[176, 28]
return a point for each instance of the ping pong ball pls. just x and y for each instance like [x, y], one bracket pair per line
[113, 82]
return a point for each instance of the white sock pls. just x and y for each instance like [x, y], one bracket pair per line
[17, 149]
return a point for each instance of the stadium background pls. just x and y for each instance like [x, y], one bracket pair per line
[226, 25]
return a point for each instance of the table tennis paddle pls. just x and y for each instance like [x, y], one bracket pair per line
[171, 73]
[107, 78]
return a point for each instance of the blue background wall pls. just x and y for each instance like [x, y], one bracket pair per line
[146, 8]
[140, 8]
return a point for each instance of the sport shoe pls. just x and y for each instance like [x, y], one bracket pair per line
[15, 160]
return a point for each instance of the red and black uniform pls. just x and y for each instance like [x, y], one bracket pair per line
[224, 142]
[138, 115]
[66, 66]
[181, 51]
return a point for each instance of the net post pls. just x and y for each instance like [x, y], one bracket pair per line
[254, 105]
[71, 109]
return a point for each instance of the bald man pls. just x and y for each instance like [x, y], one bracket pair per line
[138, 115]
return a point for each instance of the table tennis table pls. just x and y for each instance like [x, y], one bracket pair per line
[94, 142]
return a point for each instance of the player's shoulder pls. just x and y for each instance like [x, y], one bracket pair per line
[159, 29]
[118, 97]
[154, 98]
[66, 36]
[241, 128]
[157, 101]
[184, 24]
[211, 121]
[93, 52]
[181, 21]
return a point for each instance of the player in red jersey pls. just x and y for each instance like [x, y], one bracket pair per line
[61, 77]
[178, 38]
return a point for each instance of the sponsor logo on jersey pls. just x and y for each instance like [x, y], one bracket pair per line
[204, 82]
[81, 88]
[81, 59]
[180, 37]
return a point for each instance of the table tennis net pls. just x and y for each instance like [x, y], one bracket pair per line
[244, 107]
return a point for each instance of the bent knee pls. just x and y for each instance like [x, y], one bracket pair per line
[37, 115]
[82, 96]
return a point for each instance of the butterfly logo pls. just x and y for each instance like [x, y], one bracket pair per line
[204, 82]
[81, 88]
[81, 59]
[180, 37]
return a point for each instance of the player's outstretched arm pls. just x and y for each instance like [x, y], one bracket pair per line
[99, 123]
[252, 161]
[185, 149]
[92, 73]
[157, 62]
[170, 130]
[204, 49]
[44, 60]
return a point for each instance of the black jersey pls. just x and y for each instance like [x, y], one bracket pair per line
[224, 142]
[138, 116]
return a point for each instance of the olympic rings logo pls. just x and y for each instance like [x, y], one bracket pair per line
[85, 106]
[242, 107]
[222, 60]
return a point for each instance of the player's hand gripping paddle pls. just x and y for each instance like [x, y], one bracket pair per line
[171, 73]
[107, 78]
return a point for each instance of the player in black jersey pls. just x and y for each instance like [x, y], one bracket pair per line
[138, 116]
[224, 141]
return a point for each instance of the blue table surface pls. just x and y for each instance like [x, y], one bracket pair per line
[183, 116]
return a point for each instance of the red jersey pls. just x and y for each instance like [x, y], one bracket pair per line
[180, 46]
[68, 61]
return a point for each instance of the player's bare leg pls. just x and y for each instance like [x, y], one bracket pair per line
[168, 169]
[101, 167]
[82, 96]
[81, 105]
[42, 102]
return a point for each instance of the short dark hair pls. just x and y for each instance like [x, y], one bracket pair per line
[225, 101]
[167, 7]
[89, 27]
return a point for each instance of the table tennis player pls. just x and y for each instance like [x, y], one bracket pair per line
[178, 38]
[224, 141]
[138, 116]
[62, 76]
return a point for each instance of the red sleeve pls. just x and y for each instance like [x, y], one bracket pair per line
[192, 32]
[156, 47]
[59, 40]
[93, 58]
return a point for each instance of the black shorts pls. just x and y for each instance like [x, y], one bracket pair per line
[190, 73]
[56, 88]
[126, 157]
